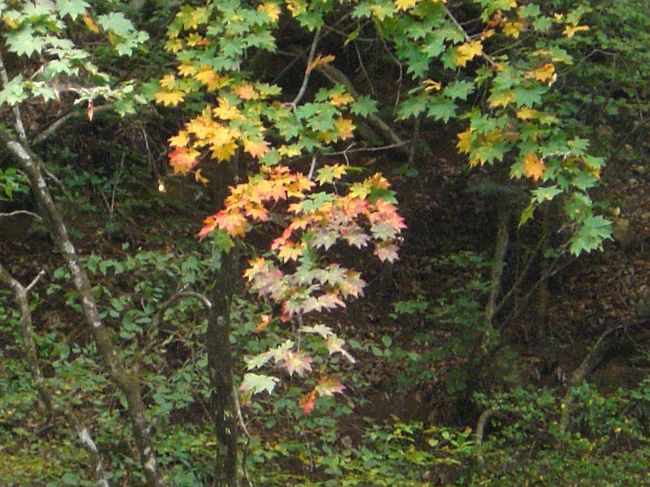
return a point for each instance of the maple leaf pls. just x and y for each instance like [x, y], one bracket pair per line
[179, 140]
[90, 24]
[232, 222]
[320, 60]
[341, 99]
[187, 69]
[335, 344]
[512, 29]
[344, 128]
[544, 73]
[464, 141]
[468, 51]
[291, 251]
[245, 91]
[255, 383]
[271, 9]
[405, 4]
[431, 85]
[256, 148]
[386, 252]
[226, 111]
[265, 319]
[330, 301]
[322, 330]
[296, 362]
[357, 239]
[329, 385]
[209, 78]
[168, 81]
[169, 98]
[533, 167]
[327, 174]
[183, 159]
[526, 113]
[308, 402]
[571, 30]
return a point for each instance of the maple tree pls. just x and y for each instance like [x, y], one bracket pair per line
[294, 202]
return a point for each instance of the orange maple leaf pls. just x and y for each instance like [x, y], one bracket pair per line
[256, 148]
[533, 167]
[183, 159]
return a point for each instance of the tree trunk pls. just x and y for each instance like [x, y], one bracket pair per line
[125, 380]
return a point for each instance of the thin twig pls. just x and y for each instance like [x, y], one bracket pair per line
[21, 212]
[52, 129]
[308, 70]
[458, 25]
[312, 168]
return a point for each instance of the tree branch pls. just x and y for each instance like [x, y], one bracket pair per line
[308, 70]
[51, 129]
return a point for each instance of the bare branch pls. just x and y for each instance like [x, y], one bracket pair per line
[21, 212]
[308, 70]
[51, 129]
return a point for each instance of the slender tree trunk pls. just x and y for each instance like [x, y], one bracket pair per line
[125, 380]
[223, 403]
[29, 345]
[220, 365]
[498, 262]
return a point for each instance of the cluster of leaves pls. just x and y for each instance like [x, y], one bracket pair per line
[38, 31]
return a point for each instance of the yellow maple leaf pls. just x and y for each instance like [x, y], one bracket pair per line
[296, 7]
[468, 51]
[405, 4]
[173, 45]
[344, 128]
[256, 148]
[320, 60]
[291, 150]
[501, 98]
[169, 98]
[224, 152]
[291, 251]
[199, 178]
[226, 111]
[545, 73]
[526, 113]
[209, 78]
[464, 141]
[245, 91]
[271, 9]
[571, 30]
[341, 99]
[168, 81]
[179, 140]
[431, 85]
[512, 29]
[194, 40]
[533, 167]
[90, 23]
[187, 70]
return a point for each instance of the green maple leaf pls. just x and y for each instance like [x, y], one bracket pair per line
[363, 106]
[458, 90]
[13, 92]
[73, 8]
[116, 22]
[25, 41]
[255, 383]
